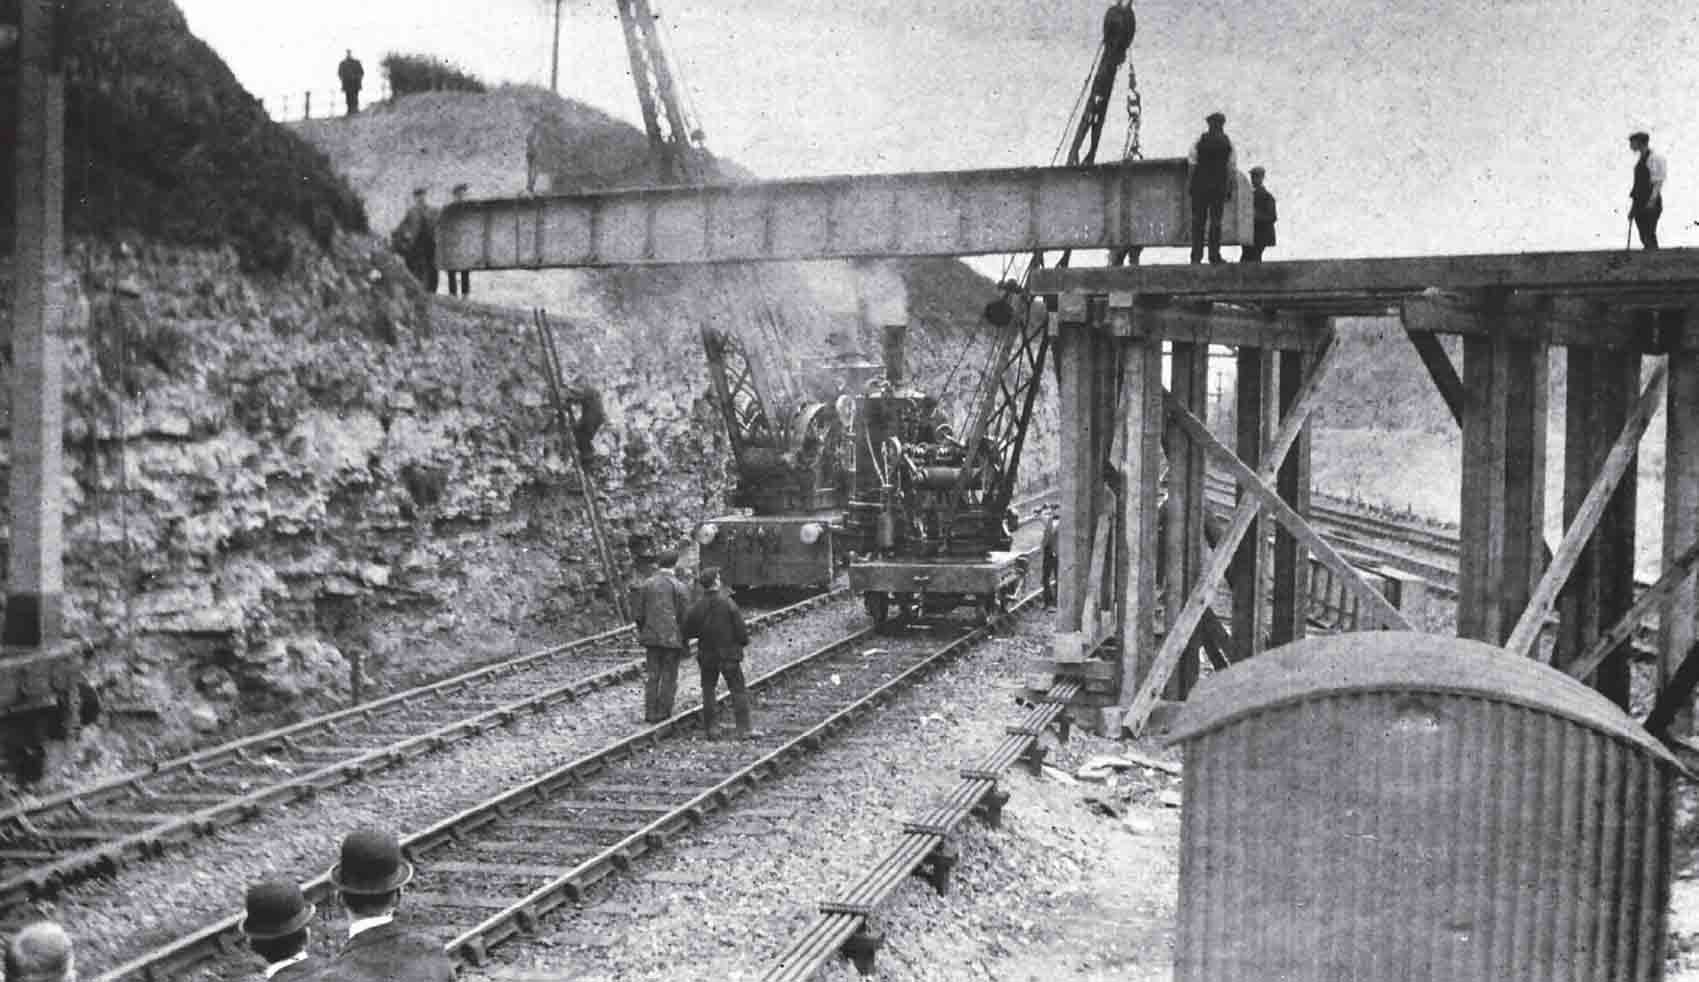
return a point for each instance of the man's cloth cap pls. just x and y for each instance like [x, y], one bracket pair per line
[1641, 136]
[371, 864]
[1215, 117]
[276, 909]
[1258, 170]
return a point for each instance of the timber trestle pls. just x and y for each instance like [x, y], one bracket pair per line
[845, 926]
[1509, 314]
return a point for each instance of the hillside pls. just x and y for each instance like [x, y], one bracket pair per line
[283, 461]
[161, 141]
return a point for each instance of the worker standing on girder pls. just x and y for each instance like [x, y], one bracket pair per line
[351, 73]
[1646, 198]
[1263, 218]
[1210, 184]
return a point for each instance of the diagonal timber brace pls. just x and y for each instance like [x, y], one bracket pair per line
[1527, 631]
[1377, 606]
[1174, 644]
[1674, 575]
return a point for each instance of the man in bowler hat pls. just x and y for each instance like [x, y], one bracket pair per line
[276, 928]
[370, 878]
[41, 952]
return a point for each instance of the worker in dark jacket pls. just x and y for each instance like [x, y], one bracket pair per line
[276, 927]
[1209, 181]
[415, 240]
[1646, 197]
[370, 879]
[1263, 219]
[717, 625]
[662, 603]
[351, 73]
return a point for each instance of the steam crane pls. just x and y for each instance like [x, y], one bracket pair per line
[789, 467]
[929, 516]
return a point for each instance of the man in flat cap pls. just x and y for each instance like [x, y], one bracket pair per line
[276, 927]
[415, 239]
[1209, 181]
[662, 603]
[41, 952]
[370, 878]
[1263, 217]
[1646, 197]
[460, 280]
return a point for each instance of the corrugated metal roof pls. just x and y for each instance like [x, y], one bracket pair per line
[1401, 661]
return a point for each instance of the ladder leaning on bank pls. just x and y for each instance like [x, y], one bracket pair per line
[569, 442]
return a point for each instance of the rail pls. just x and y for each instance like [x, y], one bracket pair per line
[923, 850]
[619, 766]
[94, 816]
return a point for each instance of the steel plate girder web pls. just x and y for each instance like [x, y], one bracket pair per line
[1132, 204]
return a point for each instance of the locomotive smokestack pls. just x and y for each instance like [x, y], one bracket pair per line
[896, 368]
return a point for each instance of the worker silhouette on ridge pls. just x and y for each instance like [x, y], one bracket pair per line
[1209, 181]
[1646, 197]
[1263, 218]
[351, 73]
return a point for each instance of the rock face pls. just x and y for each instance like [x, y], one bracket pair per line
[268, 478]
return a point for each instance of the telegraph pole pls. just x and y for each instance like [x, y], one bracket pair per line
[554, 62]
[34, 586]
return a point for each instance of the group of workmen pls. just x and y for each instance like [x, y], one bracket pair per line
[415, 240]
[369, 878]
[1213, 163]
[668, 616]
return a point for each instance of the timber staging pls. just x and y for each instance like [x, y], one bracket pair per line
[1114, 326]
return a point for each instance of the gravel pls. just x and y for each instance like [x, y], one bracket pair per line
[153, 902]
[1056, 889]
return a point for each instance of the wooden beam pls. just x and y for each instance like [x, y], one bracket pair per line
[1677, 571]
[1078, 468]
[1501, 539]
[1621, 457]
[1253, 391]
[1440, 369]
[1199, 599]
[1529, 318]
[1602, 387]
[1215, 324]
[1139, 421]
[1673, 269]
[1269, 498]
[1291, 600]
[1679, 620]
[1183, 548]
[1128, 204]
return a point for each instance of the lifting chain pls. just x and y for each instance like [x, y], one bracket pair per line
[1135, 115]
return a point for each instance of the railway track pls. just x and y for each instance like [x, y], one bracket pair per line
[98, 829]
[493, 871]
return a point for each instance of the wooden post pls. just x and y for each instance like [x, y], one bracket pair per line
[1079, 468]
[1602, 386]
[1678, 627]
[1291, 559]
[1503, 487]
[1139, 416]
[35, 572]
[1184, 513]
[1245, 576]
